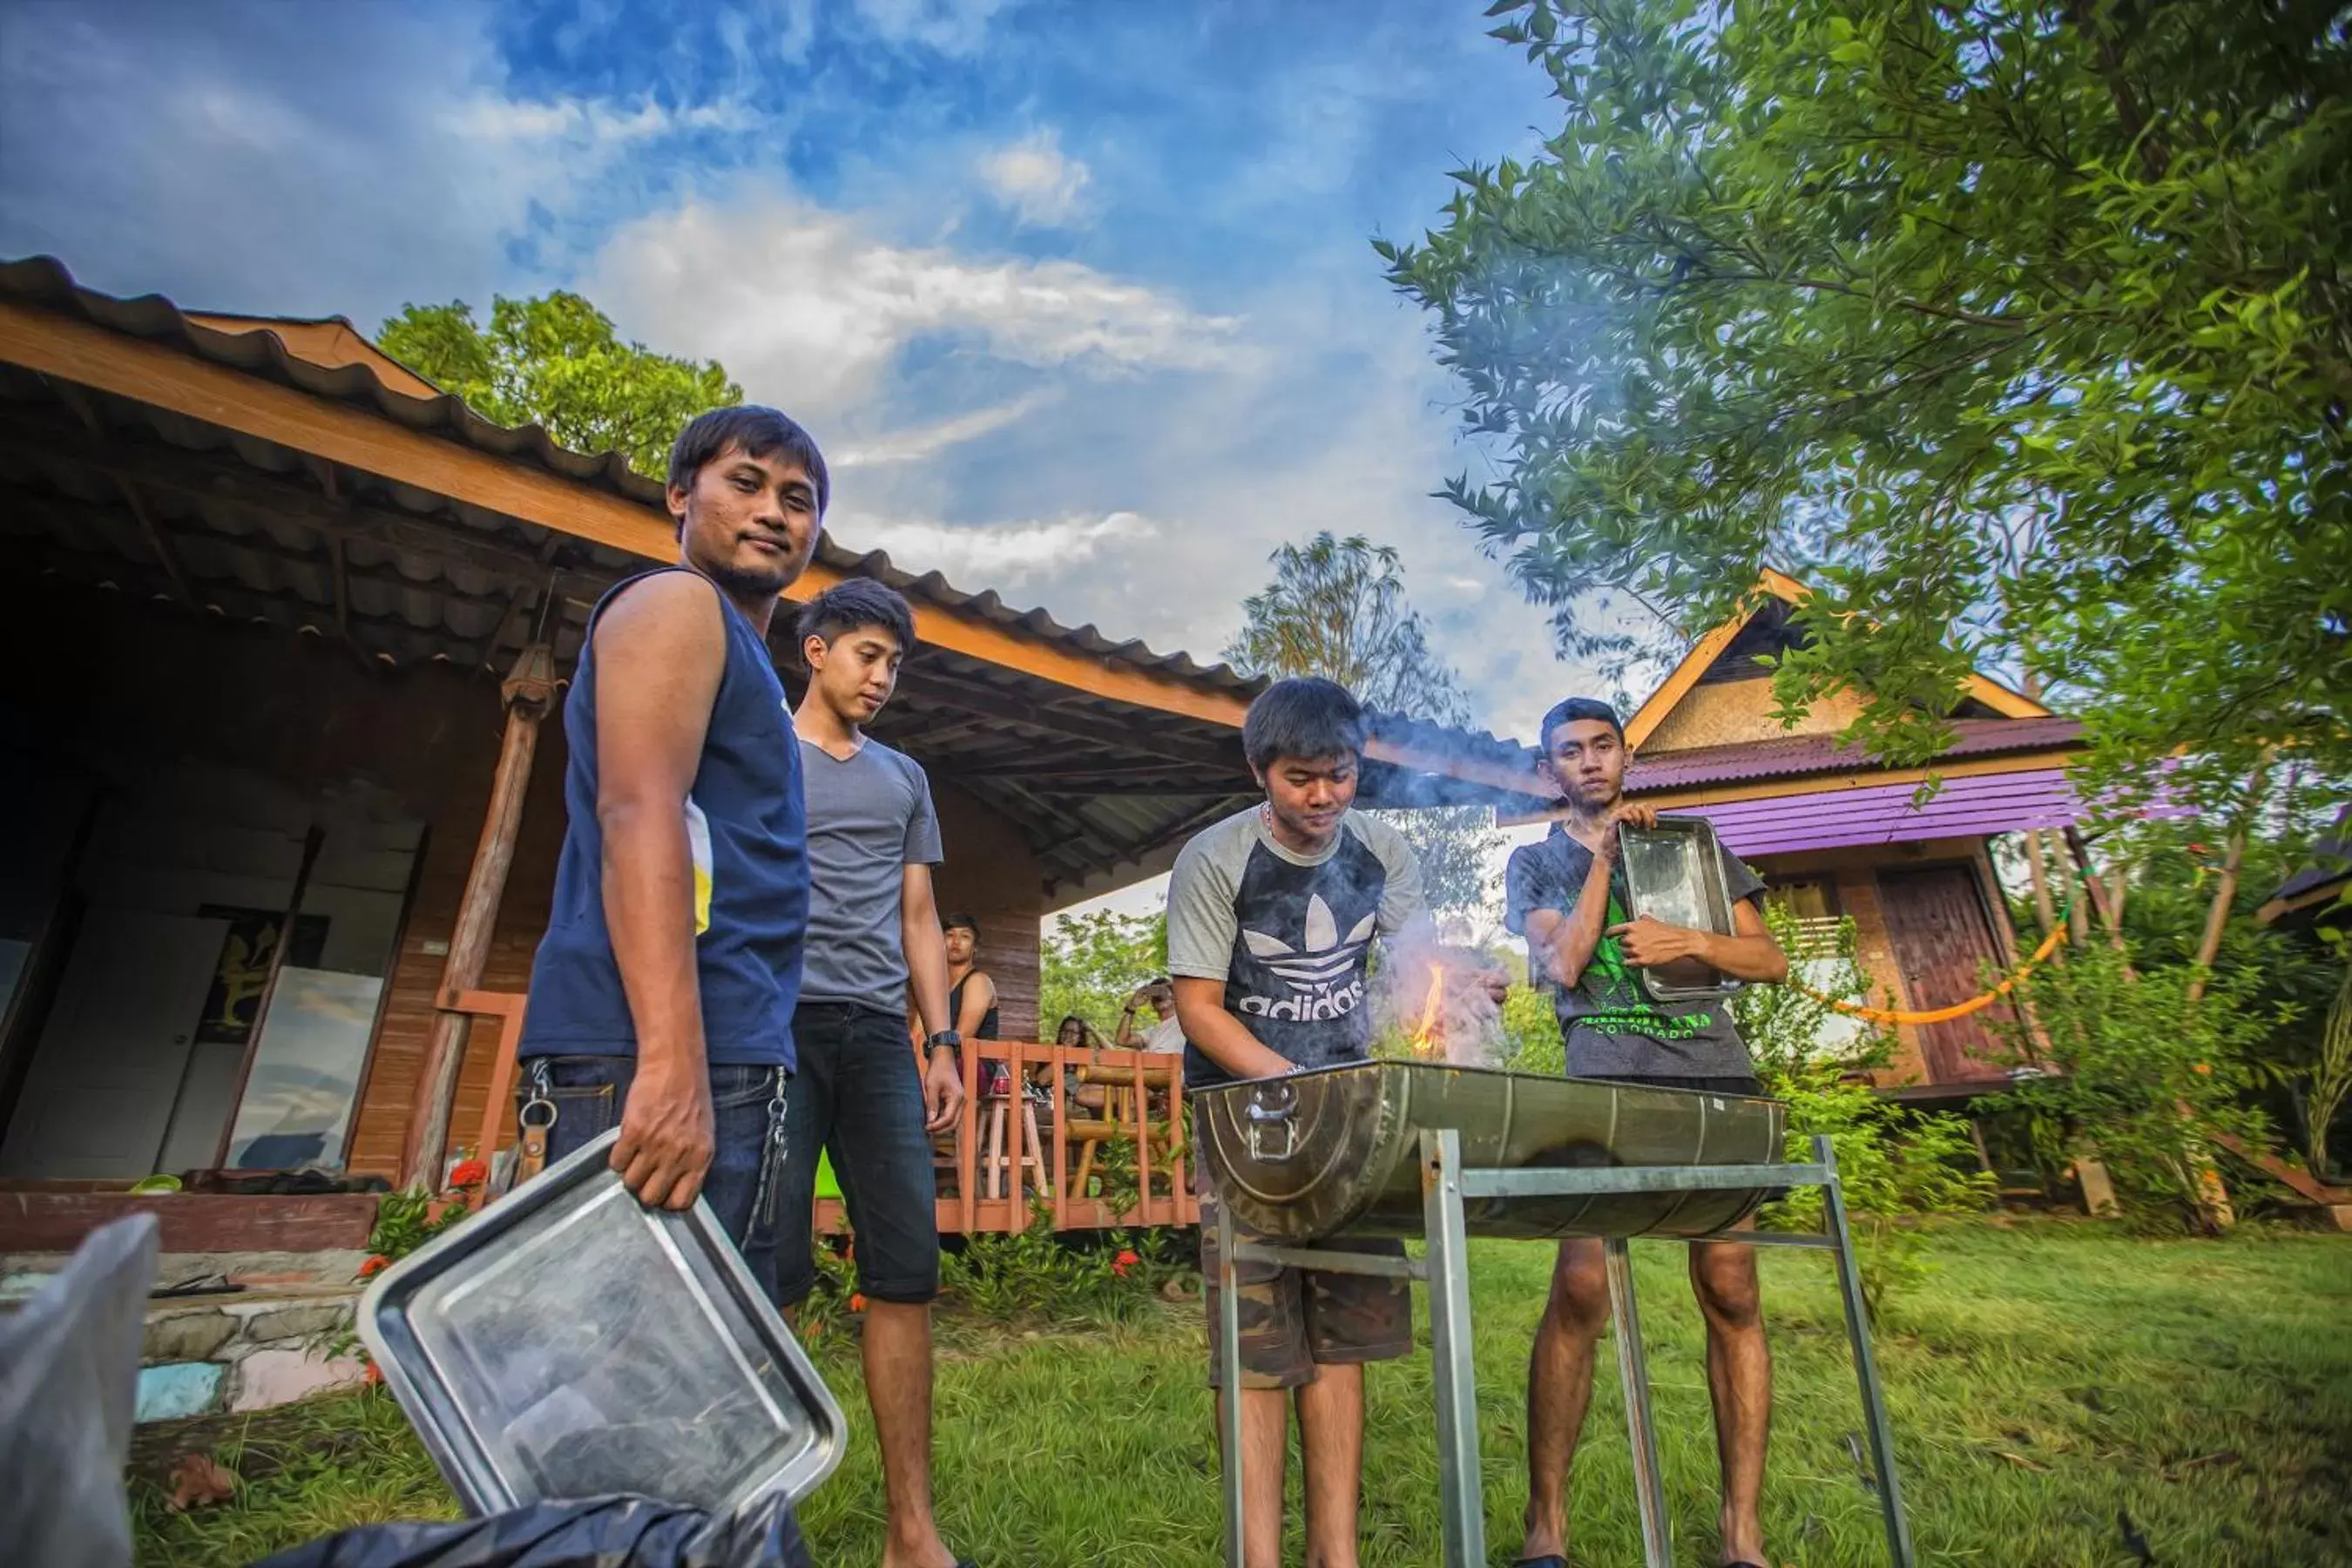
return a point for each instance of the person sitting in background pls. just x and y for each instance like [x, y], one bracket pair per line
[1077, 1034]
[1166, 1034]
[972, 995]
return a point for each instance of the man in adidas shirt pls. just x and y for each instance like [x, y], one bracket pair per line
[1270, 916]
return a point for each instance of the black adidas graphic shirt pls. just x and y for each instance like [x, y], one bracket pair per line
[1290, 937]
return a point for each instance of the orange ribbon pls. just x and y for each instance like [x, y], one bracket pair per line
[1942, 1014]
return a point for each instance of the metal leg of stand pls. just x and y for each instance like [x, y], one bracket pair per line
[1229, 1375]
[1866, 1368]
[1632, 1372]
[1461, 1490]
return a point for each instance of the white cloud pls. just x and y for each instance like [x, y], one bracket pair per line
[1042, 184]
[1010, 555]
[950, 26]
[590, 121]
[920, 442]
[809, 307]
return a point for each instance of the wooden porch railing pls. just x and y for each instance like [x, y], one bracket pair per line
[1136, 1079]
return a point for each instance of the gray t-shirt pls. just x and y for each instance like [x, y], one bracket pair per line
[869, 818]
[1290, 936]
[1608, 1021]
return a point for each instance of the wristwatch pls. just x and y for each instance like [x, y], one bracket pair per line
[950, 1037]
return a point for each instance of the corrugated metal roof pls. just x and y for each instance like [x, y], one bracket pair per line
[1885, 813]
[1794, 755]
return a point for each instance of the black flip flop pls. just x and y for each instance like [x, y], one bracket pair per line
[1554, 1561]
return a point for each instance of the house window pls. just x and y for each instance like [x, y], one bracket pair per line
[1812, 903]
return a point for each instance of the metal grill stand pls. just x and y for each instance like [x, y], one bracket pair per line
[1445, 1269]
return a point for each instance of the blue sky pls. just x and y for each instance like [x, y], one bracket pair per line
[1079, 298]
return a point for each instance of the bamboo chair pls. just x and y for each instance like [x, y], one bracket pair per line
[1119, 1106]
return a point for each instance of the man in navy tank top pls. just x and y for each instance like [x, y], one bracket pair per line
[663, 993]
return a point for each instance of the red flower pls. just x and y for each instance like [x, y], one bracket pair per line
[857, 1302]
[469, 1173]
[377, 1263]
[2204, 1067]
[1123, 1262]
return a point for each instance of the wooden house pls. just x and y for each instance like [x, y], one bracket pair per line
[282, 628]
[1835, 834]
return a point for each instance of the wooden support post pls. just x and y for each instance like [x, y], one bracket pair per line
[529, 693]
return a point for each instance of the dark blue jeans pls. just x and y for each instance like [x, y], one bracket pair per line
[859, 1097]
[588, 1093]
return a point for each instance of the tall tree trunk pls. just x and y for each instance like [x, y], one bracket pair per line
[2038, 869]
[2225, 892]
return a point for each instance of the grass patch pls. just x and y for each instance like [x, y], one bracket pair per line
[2049, 1382]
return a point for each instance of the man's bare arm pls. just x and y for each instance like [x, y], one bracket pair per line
[926, 946]
[1222, 1037]
[660, 650]
[1749, 954]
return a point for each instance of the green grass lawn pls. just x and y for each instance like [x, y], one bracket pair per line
[2049, 1382]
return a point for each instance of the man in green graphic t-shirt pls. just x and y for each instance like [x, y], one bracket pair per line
[1567, 896]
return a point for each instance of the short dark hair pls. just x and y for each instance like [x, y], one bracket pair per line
[1568, 710]
[762, 431]
[853, 605]
[959, 922]
[1306, 716]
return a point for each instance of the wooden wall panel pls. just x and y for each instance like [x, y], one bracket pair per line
[1723, 712]
[991, 876]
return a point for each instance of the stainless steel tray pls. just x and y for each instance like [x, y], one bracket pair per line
[568, 1343]
[1673, 872]
[1337, 1149]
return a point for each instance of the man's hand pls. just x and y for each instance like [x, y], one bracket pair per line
[1496, 983]
[666, 1136]
[1627, 813]
[1648, 943]
[942, 1091]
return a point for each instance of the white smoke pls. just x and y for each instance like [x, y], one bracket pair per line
[1431, 1002]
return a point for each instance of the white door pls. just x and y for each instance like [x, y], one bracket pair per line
[99, 1093]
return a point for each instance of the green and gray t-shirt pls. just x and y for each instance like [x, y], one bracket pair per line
[1608, 1021]
[1290, 936]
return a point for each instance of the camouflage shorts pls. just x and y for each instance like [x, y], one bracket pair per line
[1295, 1320]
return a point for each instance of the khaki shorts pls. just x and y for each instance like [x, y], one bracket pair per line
[1296, 1319]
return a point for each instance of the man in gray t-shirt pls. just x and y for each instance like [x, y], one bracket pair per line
[1567, 897]
[870, 817]
[858, 1097]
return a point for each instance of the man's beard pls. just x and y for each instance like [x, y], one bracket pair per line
[745, 582]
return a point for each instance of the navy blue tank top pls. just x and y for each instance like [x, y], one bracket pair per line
[748, 833]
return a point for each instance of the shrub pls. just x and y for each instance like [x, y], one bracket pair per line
[1036, 1272]
[1892, 1163]
[2138, 1073]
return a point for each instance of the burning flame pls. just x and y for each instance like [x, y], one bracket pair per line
[1425, 1037]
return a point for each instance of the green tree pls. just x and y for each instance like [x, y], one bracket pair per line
[557, 361]
[1092, 963]
[2004, 325]
[1337, 608]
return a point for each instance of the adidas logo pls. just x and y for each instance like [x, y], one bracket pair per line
[1310, 969]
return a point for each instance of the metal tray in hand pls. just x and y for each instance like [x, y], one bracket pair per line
[570, 1343]
[1337, 1151]
[1673, 872]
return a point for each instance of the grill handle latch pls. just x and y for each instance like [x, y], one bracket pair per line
[1265, 1120]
